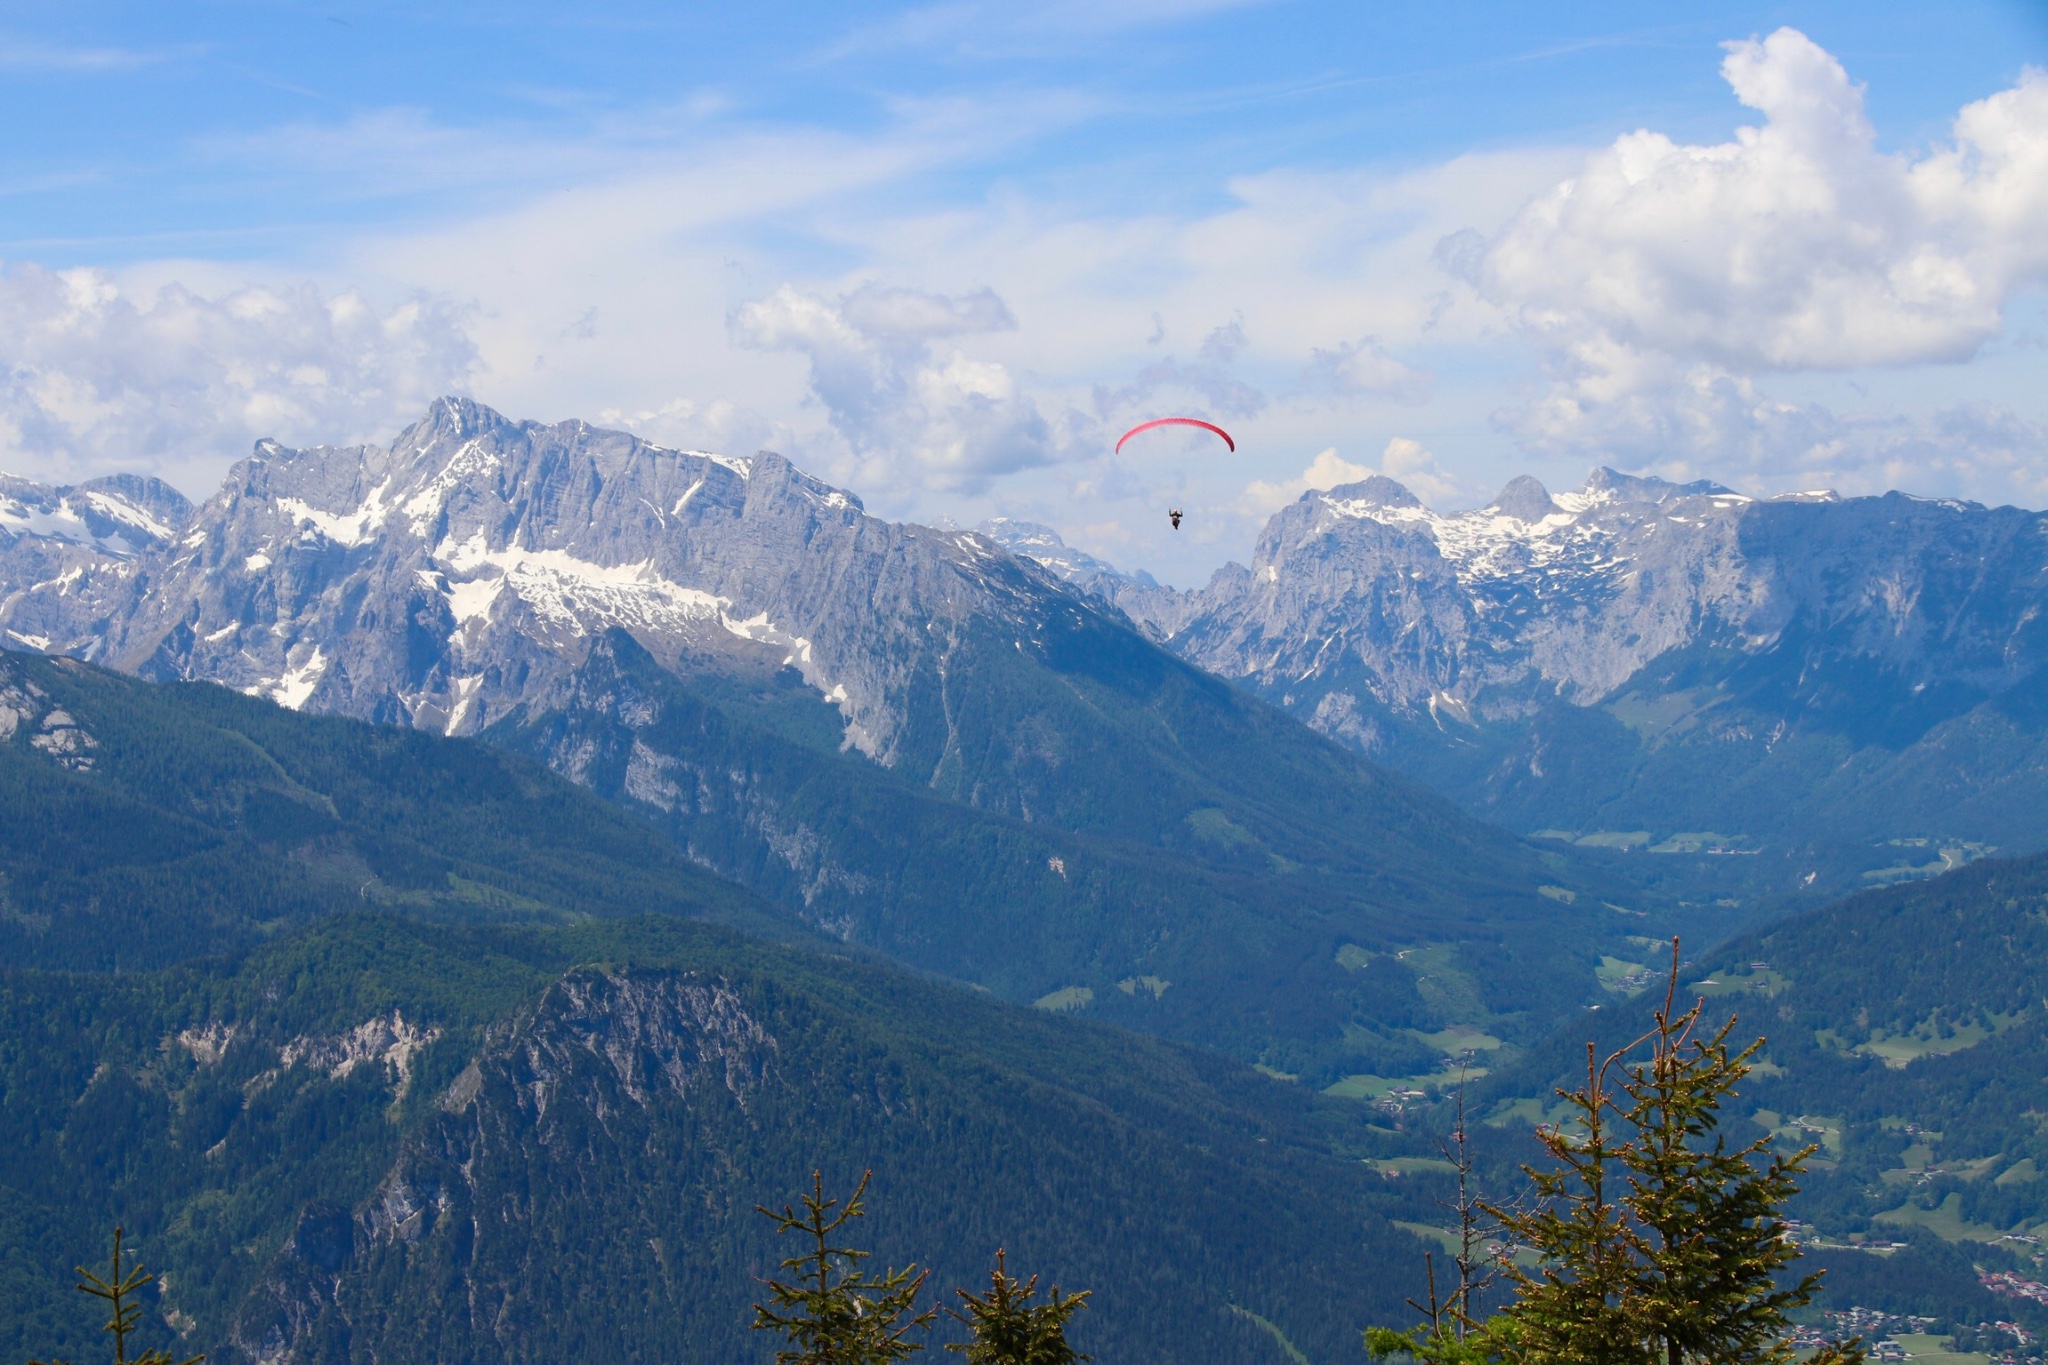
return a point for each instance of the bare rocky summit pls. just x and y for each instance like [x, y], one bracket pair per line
[460, 575]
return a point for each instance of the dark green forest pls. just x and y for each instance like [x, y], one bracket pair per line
[377, 1138]
[199, 821]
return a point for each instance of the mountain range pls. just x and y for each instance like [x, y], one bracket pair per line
[906, 737]
[1845, 685]
[443, 885]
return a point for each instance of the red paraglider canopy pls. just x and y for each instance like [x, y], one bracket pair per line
[1176, 422]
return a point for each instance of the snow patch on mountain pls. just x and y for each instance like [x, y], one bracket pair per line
[570, 593]
[350, 529]
[71, 517]
[294, 688]
[120, 509]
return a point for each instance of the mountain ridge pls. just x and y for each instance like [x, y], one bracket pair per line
[1638, 655]
[903, 735]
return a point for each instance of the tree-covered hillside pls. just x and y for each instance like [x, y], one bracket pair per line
[1274, 917]
[379, 1139]
[1187, 860]
[142, 824]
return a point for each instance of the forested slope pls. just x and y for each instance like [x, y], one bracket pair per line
[1907, 1035]
[141, 824]
[375, 1139]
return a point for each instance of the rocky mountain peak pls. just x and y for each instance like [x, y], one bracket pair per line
[1373, 493]
[1608, 485]
[462, 574]
[1043, 545]
[1526, 500]
[120, 514]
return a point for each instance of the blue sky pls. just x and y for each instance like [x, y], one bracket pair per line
[943, 253]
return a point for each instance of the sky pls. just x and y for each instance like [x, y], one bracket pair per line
[944, 254]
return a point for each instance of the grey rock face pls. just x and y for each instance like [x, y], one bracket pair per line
[460, 575]
[1525, 499]
[67, 554]
[1478, 612]
[594, 1049]
[1687, 619]
[1490, 611]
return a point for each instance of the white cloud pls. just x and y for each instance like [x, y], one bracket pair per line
[688, 424]
[1405, 461]
[904, 404]
[1799, 245]
[1365, 367]
[1207, 380]
[1662, 280]
[93, 378]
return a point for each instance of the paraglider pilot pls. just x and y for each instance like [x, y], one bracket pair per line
[1174, 517]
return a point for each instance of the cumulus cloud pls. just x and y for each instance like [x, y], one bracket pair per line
[1405, 461]
[1663, 279]
[895, 393]
[1365, 367]
[170, 382]
[1207, 380]
[1798, 245]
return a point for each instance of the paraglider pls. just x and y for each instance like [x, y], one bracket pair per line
[1174, 514]
[1175, 422]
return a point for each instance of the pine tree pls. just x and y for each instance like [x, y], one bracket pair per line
[120, 1290]
[1577, 1308]
[1665, 1245]
[1654, 1242]
[1009, 1329]
[1711, 1242]
[833, 1313]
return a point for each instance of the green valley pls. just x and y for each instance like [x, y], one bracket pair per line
[1907, 1040]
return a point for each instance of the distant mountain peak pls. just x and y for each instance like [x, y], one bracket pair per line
[1525, 499]
[121, 515]
[1043, 545]
[1609, 485]
[1368, 494]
